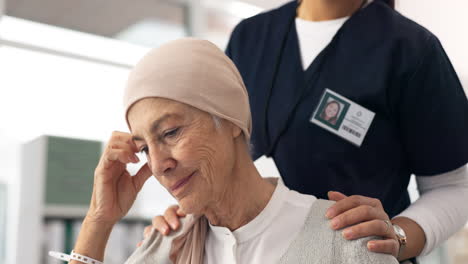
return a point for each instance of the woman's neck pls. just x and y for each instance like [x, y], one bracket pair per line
[321, 10]
[245, 196]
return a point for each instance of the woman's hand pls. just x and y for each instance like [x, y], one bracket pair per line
[114, 192]
[115, 189]
[361, 217]
[166, 223]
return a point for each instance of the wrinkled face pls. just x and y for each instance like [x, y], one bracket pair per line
[190, 156]
[332, 110]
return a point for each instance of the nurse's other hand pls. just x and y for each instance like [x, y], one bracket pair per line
[166, 223]
[362, 216]
[115, 189]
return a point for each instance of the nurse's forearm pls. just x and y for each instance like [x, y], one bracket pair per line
[415, 237]
[92, 240]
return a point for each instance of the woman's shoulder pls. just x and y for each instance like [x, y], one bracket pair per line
[297, 199]
[155, 249]
[318, 243]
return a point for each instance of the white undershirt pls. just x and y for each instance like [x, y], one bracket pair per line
[441, 209]
[264, 239]
[314, 37]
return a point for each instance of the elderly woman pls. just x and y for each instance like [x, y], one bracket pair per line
[188, 111]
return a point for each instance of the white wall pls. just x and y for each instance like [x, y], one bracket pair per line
[266, 4]
[9, 175]
[2, 7]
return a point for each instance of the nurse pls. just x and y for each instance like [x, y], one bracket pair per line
[402, 111]
[331, 112]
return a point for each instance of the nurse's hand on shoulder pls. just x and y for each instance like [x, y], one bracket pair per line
[361, 216]
[115, 189]
[166, 223]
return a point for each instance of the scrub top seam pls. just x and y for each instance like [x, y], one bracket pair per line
[421, 59]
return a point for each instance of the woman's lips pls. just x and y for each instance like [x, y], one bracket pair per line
[181, 182]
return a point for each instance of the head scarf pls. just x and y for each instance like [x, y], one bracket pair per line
[194, 72]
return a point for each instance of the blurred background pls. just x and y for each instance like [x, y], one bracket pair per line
[63, 66]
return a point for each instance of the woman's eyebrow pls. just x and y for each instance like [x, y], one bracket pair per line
[156, 124]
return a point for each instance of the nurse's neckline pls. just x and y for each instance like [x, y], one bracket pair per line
[332, 22]
[323, 10]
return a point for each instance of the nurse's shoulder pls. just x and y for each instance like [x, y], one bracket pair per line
[408, 40]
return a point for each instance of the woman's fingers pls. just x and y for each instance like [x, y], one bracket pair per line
[387, 246]
[116, 156]
[141, 177]
[169, 221]
[160, 224]
[147, 231]
[122, 145]
[118, 137]
[171, 217]
[120, 148]
[122, 155]
[357, 215]
[351, 202]
[180, 213]
[371, 228]
[115, 190]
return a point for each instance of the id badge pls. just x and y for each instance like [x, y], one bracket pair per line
[343, 117]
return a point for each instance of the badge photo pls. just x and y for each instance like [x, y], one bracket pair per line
[332, 111]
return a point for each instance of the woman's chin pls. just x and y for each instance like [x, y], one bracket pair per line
[190, 206]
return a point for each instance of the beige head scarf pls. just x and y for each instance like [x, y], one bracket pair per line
[194, 72]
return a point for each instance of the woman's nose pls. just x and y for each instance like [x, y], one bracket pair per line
[161, 163]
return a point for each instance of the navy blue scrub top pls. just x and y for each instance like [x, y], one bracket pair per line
[380, 60]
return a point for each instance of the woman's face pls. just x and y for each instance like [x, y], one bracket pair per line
[187, 153]
[331, 110]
